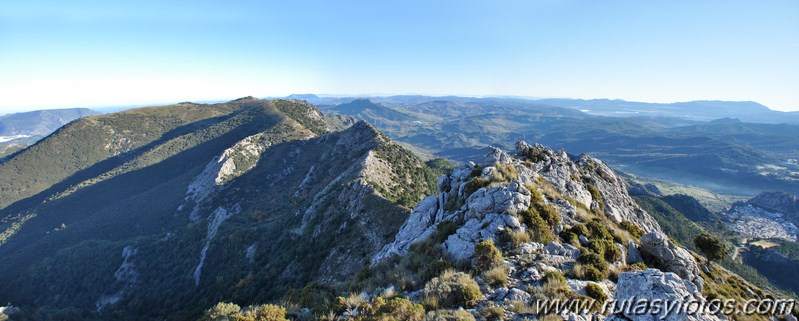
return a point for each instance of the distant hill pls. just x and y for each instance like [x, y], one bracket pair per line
[690, 207]
[40, 122]
[19, 130]
[372, 112]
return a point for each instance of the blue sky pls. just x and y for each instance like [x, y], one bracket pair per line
[108, 53]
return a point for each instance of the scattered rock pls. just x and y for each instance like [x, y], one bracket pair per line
[566, 250]
[518, 295]
[529, 248]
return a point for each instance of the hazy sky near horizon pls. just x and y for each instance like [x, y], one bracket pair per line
[110, 53]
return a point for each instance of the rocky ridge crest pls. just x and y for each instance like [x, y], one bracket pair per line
[491, 202]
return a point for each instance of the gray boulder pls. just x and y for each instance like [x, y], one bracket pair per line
[513, 198]
[651, 285]
[518, 295]
[667, 256]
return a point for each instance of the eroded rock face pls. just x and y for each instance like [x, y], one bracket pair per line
[511, 199]
[656, 248]
[419, 226]
[651, 285]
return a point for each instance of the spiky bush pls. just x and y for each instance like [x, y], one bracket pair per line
[486, 255]
[453, 289]
[496, 276]
[595, 292]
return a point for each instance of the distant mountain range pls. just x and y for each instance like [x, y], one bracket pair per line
[726, 155]
[699, 111]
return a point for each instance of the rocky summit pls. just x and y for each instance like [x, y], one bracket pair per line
[561, 227]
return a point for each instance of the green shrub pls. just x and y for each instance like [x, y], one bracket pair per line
[612, 252]
[554, 276]
[476, 171]
[473, 185]
[588, 272]
[266, 312]
[634, 230]
[539, 230]
[598, 246]
[596, 196]
[598, 231]
[400, 309]
[595, 292]
[555, 287]
[222, 311]
[606, 249]
[529, 216]
[453, 289]
[513, 238]
[434, 268]
[569, 237]
[638, 266]
[713, 248]
[505, 173]
[594, 260]
[549, 214]
[440, 166]
[486, 255]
